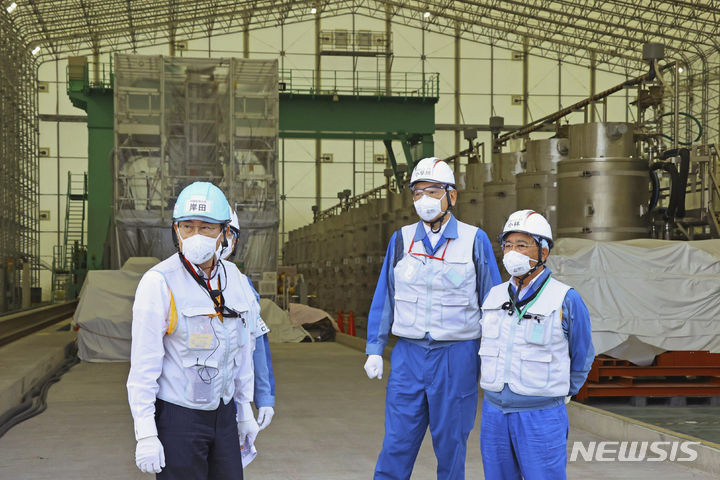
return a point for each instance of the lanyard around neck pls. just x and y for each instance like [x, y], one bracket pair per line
[447, 242]
[530, 301]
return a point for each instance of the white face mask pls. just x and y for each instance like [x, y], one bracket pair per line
[429, 208]
[516, 263]
[198, 249]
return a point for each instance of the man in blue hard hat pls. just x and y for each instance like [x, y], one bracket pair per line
[191, 371]
[434, 277]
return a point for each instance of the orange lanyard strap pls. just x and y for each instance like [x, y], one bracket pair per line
[218, 300]
[447, 242]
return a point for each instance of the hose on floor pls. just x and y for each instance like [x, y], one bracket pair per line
[35, 401]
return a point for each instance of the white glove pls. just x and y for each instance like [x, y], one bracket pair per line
[149, 455]
[247, 425]
[567, 399]
[374, 366]
[265, 416]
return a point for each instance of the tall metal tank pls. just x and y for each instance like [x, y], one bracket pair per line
[603, 187]
[500, 196]
[537, 187]
[469, 208]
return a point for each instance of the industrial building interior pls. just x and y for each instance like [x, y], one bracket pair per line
[310, 116]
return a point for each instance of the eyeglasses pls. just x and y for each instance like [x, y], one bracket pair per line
[432, 192]
[520, 247]
[209, 230]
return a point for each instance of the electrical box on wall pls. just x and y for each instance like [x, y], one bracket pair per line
[326, 158]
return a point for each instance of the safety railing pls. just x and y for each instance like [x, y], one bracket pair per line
[84, 76]
[360, 83]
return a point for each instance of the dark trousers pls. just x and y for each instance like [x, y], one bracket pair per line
[198, 444]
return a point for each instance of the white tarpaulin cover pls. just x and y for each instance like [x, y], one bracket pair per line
[645, 296]
[281, 328]
[104, 313]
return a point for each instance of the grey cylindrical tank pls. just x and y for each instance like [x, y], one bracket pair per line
[603, 187]
[506, 165]
[544, 155]
[476, 174]
[499, 201]
[537, 189]
[469, 208]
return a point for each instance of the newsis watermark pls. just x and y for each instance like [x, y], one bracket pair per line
[636, 451]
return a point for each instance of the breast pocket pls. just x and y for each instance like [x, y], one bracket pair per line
[405, 308]
[488, 362]
[490, 322]
[454, 310]
[200, 374]
[538, 329]
[535, 369]
[201, 335]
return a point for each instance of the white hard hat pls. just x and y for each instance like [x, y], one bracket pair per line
[432, 169]
[530, 222]
[234, 222]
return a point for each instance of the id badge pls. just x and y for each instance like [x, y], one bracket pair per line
[202, 389]
[200, 341]
[200, 334]
[454, 277]
[537, 333]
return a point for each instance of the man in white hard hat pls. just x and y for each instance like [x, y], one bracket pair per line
[264, 395]
[435, 274]
[536, 351]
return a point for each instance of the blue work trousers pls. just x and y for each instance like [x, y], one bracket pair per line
[429, 386]
[198, 444]
[530, 444]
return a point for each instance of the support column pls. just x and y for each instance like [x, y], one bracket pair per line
[246, 38]
[388, 51]
[525, 86]
[593, 75]
[456, 161]
[318, 142]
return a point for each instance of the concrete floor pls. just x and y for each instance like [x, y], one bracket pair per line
[328, 425]
[701, 420]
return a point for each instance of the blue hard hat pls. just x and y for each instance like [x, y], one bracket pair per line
[202, 201]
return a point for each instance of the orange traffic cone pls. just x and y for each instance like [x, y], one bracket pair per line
[340, 322]
[351, 324]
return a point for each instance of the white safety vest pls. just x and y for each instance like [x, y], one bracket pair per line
[437, 295]
[203, 355]
[532, 357]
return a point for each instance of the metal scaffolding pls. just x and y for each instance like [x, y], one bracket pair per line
[19, 248]
[179, 120]
[607, 35]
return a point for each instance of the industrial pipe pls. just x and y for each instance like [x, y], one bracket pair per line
[684, 155]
